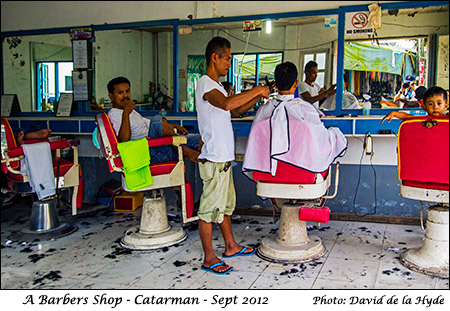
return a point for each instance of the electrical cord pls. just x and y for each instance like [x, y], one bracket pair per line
[359, 178]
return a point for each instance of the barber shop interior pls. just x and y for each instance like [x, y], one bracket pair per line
[225, 145]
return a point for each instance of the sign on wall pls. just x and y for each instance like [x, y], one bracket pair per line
[357, 23]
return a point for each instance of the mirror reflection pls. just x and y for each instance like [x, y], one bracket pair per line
[255, 54]
[393, 68]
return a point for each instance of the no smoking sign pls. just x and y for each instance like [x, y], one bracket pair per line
[357, 23]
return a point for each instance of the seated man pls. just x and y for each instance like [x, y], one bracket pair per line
[349, 101]
[21, 136]
[296, 133]
[130, 125]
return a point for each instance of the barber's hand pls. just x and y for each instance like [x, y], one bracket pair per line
[130, 105]
[264, 90]
[331, 90]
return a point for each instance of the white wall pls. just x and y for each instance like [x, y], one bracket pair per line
[25, 15]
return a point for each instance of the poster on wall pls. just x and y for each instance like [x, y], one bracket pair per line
[80, 85]
[80, 54]
[10, 103]
[442, 63]
[357, 23]
[65, 105]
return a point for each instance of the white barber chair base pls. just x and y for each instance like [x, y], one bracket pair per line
[154, 230]
[292, 244]
[433, 258]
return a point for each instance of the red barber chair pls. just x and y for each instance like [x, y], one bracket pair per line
[423, 167]
[300, 195]
[154, 230]
[44, 223]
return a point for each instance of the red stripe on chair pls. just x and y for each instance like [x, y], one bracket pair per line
[287, 174]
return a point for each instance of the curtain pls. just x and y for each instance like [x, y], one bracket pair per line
[196, 68]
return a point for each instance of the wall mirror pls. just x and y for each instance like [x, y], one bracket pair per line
[402, 58]
[255, 54]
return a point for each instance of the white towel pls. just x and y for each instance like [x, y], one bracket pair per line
[37, 165]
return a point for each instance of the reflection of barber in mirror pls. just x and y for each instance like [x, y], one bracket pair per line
[434, 103]
[130, 125]
[311, 91]
[406, 97]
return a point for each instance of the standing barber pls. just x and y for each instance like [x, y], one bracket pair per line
[214, 120]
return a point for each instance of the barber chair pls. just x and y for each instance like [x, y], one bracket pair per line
[300, 195]
[154, 230]
[44, 222]
[423, 167]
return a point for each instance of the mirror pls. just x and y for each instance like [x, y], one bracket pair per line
[33, 61]
[255, 54]
[39, 67]
[403, 49]
[144, 56]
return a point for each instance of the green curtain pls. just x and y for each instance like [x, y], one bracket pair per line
[196, 68]
[366, 57]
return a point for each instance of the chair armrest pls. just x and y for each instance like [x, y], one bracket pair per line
[168, 140]
[54, 145]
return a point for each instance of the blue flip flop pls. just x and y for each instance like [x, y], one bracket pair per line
[240, 253]
[221, 263]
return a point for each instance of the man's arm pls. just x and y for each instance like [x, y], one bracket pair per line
[323, 93]
[125, 128]
[240, 110]
[217, 99]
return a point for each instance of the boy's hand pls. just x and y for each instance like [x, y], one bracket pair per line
[389, 116]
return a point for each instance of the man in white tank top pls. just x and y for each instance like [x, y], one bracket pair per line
[214, 120]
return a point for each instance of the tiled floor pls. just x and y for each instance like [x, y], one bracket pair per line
[359, 256]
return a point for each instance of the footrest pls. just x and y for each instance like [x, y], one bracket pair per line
[312, 214]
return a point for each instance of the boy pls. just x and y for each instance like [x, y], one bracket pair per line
[218, 199]
[307, 143]
[434, 103]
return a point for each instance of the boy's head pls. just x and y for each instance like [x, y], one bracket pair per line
[435, 101]
[286, 77]
[218, 50]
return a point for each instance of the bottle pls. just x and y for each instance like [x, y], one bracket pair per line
[163, 112]
[366, 105]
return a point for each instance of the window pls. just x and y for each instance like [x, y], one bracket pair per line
[52, 78]
[251, 69]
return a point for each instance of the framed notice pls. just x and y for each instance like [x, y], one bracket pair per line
[80, 85]
[80, 54]
[65, 105]
[10, 103]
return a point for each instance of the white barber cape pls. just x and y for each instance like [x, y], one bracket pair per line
[289, 129]
[37, 165]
